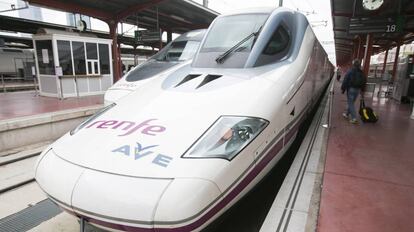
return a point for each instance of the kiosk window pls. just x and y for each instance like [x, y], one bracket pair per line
[91, 52]
[65, 59]
[92, 59]
[45, 57]
[78, 50]
[104, 59]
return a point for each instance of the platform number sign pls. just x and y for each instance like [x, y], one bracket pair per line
[376, 25]
[396, 26]
[391, 28]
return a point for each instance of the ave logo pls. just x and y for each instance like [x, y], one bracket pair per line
[138, 152]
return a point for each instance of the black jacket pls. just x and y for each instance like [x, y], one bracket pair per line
[346, 83]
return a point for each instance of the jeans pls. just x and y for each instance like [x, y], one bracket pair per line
[352, 95]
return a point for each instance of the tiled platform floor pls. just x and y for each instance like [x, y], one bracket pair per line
[368, 183]
[19, 104]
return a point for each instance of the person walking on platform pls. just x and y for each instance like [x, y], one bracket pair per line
[353, 84]
[338, 74]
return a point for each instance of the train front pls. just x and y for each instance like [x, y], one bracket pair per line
[179, 152]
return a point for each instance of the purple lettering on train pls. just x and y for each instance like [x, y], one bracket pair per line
[147, 127]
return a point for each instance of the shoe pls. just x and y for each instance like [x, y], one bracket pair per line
[353, 121]
[345, 115]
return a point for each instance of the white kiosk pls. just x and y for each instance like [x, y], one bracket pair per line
[71, 64]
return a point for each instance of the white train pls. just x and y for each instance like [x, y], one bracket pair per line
[16, 63]
[177, 53]
[192, 141]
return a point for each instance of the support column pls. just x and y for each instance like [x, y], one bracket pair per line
[394, 68]
[384, 65]
[121, 66]
[358, 48]
[169, 36]
[160, 38]
[115, 52]
[135, 55]
[355, 49]
[367, 54]
[361, 50]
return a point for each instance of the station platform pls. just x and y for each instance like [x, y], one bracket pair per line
[18, 86]
[40, 119]
[368, 182]
[20, 104]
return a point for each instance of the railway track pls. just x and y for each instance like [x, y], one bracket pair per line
[16, 170]
[16, 159]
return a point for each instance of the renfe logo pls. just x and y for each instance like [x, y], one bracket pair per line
[129, 127]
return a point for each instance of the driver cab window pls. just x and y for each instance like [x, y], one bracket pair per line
[276, 48]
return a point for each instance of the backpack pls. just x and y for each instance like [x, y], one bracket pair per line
[367, 113]
[357, 79]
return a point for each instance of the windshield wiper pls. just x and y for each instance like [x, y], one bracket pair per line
[220, 59]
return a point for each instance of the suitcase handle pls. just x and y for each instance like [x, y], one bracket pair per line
[362, 103]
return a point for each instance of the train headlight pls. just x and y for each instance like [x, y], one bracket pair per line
[90, 119]
[227, 137]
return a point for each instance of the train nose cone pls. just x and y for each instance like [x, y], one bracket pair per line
[120, 199]
[57, 178]
[122, 202]
[188, 204]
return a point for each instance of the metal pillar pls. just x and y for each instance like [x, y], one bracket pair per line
[169, 36]
[61, 97]
[115, 51]
[135, 55]
[36, 86]
[384, 65]
[395, 66]
[355, 50]
[367, 54]
[2, 82]
[280, 2]
[361, 49]
[82, 225]
[205, 3]
[160, 39]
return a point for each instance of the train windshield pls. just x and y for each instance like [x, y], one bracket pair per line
[178, 51]
[229, 41]
[230, 30]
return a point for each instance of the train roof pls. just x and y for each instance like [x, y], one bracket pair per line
[257, 10]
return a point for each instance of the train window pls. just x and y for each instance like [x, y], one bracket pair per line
[79, 62]
[104, 58]
[65, 57]
[45, 57]
[225, 33]
[276, 48]
[178, 51]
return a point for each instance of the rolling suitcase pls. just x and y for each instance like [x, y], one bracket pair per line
[367, 113]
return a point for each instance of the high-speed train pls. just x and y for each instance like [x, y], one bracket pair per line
[192, 141]
[179, 52]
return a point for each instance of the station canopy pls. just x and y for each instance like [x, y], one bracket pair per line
[176, 16]
[391, 24]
